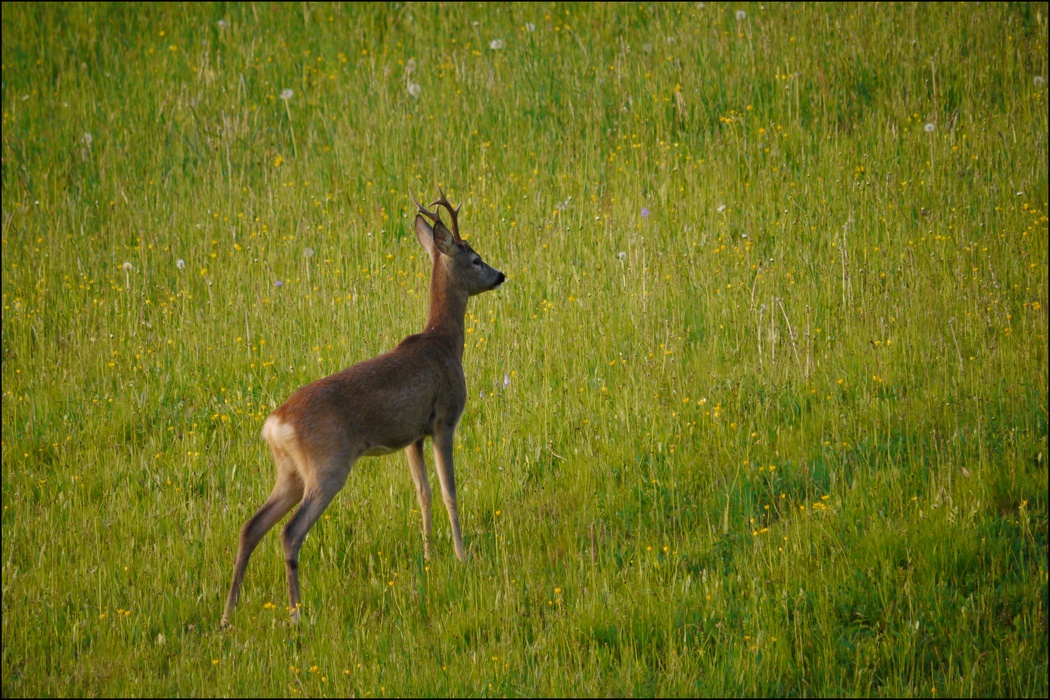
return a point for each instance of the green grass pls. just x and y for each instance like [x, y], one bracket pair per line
[777, 413]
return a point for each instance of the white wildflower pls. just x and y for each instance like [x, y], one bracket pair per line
[496, 44]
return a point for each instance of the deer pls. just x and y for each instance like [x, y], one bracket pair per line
[376, 407]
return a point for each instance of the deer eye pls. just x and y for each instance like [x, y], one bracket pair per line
[477, 261]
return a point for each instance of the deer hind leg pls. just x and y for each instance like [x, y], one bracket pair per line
[418, 467]
[318, 495]
[446, 474]
[286, 493]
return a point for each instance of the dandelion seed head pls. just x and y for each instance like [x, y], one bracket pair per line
[415, 89]
[621, 255]
[741, 15]
[308, 253]
[496, 44]
[222, 24]
[929, 128]
[180, 263]
[286, 94]
[1039, 81]
[127, 266]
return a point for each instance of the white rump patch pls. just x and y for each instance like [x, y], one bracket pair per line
[278, 433]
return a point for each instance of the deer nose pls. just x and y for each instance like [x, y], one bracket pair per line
[499, 280]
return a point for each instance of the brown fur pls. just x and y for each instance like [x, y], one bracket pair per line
[382, 405]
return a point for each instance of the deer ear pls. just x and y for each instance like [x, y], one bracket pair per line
[425, 235]
[443, 239]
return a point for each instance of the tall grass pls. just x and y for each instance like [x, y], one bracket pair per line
[775, 333]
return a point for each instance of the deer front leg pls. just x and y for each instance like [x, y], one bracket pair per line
[418, 468]
[443, 457]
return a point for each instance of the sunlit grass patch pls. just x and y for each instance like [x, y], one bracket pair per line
[760, 410]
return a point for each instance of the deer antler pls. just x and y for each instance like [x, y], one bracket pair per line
[434, 216]
[454, 213]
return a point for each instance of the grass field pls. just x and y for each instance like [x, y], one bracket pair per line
[762, 408]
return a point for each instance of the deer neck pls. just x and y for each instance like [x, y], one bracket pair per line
[448, 309]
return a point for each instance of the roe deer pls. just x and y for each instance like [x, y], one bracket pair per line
[375, 407]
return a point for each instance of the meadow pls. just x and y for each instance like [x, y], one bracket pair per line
[761, 409]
